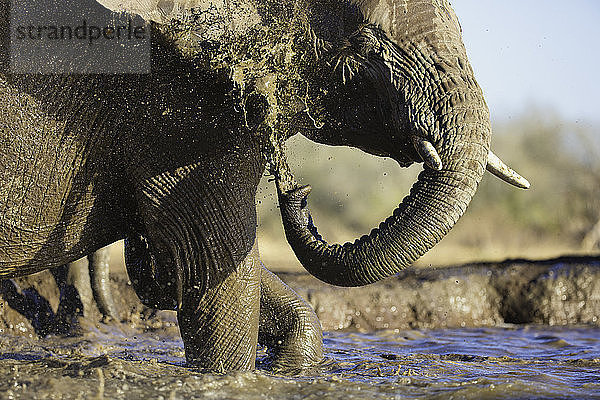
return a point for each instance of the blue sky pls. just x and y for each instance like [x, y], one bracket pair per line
[542, 53]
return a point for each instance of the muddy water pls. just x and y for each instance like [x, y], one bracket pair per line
[508, 362]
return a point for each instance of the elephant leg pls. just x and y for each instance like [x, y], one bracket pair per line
[153, 290]
[288, 326]
[29, 303]
[220, 327]
[99, 266]
[76, 299]
[82, 284]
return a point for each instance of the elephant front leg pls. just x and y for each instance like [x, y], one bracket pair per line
[288, 326]
[220, 328]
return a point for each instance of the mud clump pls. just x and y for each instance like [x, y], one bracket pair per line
[563, 291]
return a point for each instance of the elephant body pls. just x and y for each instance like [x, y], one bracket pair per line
[171, 160]
[84, 180]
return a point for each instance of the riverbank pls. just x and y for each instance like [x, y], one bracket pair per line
[560, 291]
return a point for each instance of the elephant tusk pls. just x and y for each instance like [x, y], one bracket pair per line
[427, 152]
[497, 167]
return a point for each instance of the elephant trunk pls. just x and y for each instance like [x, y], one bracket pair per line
[435, 203]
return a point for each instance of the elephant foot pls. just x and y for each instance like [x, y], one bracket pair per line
[288, 327]
[76, 301]
[219, 328]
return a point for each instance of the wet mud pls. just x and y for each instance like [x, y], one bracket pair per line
[493, 330]
[115, 362]
[562, 291]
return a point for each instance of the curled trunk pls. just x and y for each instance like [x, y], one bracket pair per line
[418, 65]
[434, 205]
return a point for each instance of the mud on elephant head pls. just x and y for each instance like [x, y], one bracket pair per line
[391, 78]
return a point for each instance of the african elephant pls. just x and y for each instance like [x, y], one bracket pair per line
[171, 160]
[84, 292]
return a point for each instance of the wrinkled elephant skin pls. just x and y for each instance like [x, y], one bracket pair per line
[171, 160]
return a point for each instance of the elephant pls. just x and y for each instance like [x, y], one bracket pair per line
[84, 292]
[170, 160]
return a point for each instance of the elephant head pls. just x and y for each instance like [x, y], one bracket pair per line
[390, 77]
[397, 84]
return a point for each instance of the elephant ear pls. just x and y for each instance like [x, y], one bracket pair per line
[159, 11]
